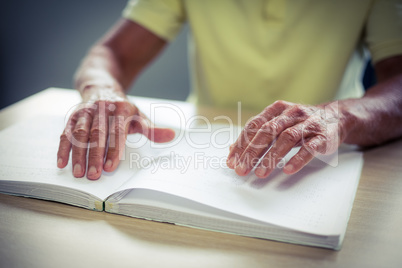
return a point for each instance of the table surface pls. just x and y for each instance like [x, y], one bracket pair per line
[36, 233]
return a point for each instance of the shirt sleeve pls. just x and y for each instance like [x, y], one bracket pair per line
[384, 29]
[162, 17]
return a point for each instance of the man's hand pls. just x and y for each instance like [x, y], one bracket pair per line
[101, 124]
[281, 126]
[370, 120]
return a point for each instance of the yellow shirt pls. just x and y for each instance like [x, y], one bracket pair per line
[259, 51]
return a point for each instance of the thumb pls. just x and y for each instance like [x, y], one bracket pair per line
[144, 126]
[160, 135]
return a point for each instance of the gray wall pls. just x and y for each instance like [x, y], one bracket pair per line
[43, 41]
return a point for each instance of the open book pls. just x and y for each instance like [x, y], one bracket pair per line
[187, 183]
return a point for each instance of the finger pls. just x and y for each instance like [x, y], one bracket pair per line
[118, 131]
[285, 142]
[97, 141]
[65, 142]
[251, 129]
[231, 147]
[138, 122]
[254, 150]
[80, 142]
[143, 125]
[242, 142]
[268, 133]
[305, 155]
[160, 135]
[265, 137]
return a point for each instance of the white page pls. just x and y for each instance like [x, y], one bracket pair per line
[29, 154]
[317, 199]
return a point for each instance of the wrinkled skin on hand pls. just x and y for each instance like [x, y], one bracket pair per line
[101, 125]
[270, 135]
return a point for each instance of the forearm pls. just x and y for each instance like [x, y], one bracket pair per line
[377, 116]
[118, 58]
[99, 69]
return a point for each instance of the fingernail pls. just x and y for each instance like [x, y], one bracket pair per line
[231, 162]
[77, 170]
[288, 168]
[241, 169]
[92, 170]
[108, 164]
[260, 172]
[59, 162]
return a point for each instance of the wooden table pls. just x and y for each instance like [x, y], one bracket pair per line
[35, 233]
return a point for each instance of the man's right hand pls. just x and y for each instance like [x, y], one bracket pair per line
[104, 119]
[101, 124]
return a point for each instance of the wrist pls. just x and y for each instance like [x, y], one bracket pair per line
[358, 122]
[93, 91]
[348, 120]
